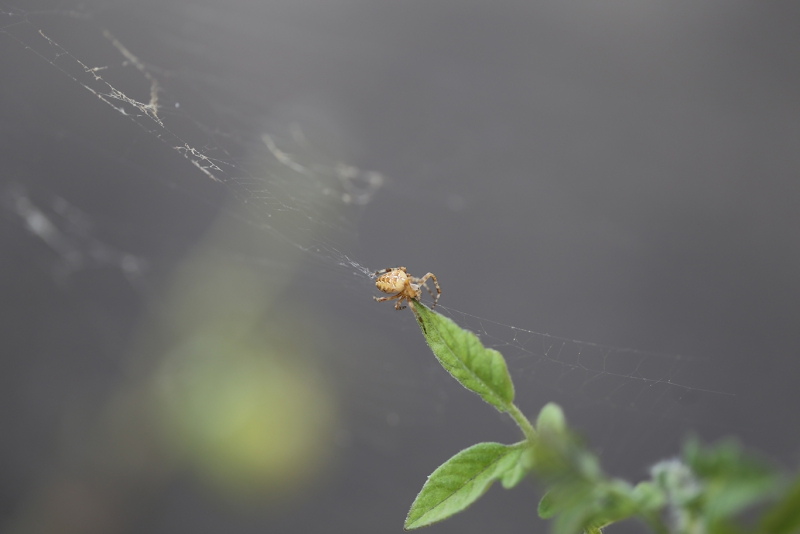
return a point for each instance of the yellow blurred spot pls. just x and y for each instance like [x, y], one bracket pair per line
[246, 421]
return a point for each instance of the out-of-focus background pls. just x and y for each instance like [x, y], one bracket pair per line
[193, 195]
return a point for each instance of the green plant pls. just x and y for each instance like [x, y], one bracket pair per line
[705, 491]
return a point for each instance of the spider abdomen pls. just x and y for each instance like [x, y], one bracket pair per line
[391, 283]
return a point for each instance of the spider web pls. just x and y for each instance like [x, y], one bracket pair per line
[290, 188]
[148, 140]
[306, 198]
[619, 377]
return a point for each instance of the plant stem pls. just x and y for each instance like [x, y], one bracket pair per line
[522, 422]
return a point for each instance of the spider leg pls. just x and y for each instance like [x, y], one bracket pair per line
[397, 306]
[422, 282]
[384, 299]
[389, 269]
[425, 285]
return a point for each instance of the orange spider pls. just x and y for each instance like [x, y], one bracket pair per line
[406, 287]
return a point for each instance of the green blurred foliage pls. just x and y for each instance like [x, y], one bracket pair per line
[705, 492]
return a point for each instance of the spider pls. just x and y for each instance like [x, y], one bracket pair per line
[406, 287]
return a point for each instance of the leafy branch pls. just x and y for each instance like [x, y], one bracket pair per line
[704, 492]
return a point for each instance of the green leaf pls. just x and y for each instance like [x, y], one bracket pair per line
[618, 502]
[551, 419]
[784, 517]
[548, 506]
[462, 354]
[575, 509]
[519, 470]
[461, 480]
[732, 479]
[582, 505]
[649, 496]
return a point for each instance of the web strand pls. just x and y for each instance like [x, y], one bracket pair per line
[282, 186]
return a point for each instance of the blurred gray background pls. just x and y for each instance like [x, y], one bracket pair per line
[188, 354]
